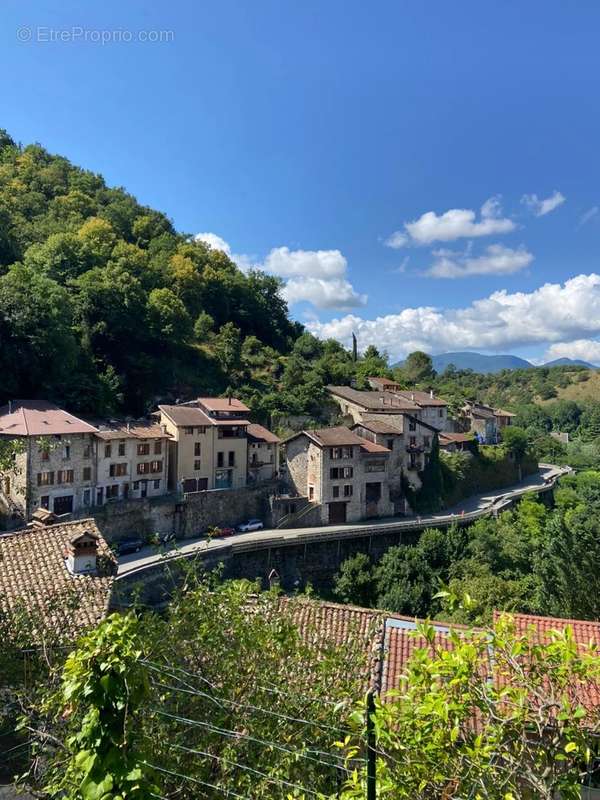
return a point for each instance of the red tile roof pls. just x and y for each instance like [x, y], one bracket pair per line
[423, 399]
[34, 575]
[39, 418]
[448, 437]
[372, 447]
[186, 416]
[223, 404]
[334, 437]
[382, 402]
[136, 430]
[584, 631]
[377, 426]
[262, 434]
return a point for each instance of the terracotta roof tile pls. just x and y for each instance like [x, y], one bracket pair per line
[223, 404]
[186, 416]
[383, 402]
[372, 447]
[33, 574]
[423, 399]
[377, 426]
[39, 418]
[262, 434]
[135, 430]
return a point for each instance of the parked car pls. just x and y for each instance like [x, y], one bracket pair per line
[126, 546]
[225, 531]
[251, 525]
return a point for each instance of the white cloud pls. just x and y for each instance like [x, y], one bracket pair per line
[584, 349]
[315, 276]
[335, 293]
[215, 241]
[589, 214]
[457, 223]
[540, 206]
[497, 260]
[551, 313]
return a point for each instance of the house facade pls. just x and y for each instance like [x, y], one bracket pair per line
[212, 443]
[391, 402]
[341, 473]
[485, 422]
[131, 461]
[55, 467]
[263, 454]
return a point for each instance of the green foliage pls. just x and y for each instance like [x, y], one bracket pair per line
[417, 368]
[531, 559]
[104, 687]
[464, 724]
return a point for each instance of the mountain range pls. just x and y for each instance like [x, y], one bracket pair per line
[479, 362]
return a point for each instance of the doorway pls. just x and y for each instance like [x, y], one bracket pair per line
[337, 513]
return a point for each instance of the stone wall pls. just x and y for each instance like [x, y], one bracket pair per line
[187, 517]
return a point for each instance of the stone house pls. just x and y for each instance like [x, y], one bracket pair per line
[344, 475]
[391, 402]
[131, 461]
[263, 454]
[55, 468]
[486, 422]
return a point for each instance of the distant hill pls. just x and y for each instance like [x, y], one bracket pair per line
[479, 362]
[569, 362]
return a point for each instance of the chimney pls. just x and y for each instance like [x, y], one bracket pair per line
[431, 393]
[412, 396]
[10, 406]
[82, 554]
[163, 428]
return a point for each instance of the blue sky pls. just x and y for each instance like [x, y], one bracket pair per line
[310, 136]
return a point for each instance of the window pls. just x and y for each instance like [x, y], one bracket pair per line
[348, 490]
[45, 478]
[231, 459]
[341, 472]
[121, 449]
[412, 425]
[157, 484]
[390, 444]
[117, 470]
[426, 441]
[64, 476]
[441, 412]
[335, 491]
[375, 466]
[157, 447]
[44, 455]
[107, 451]
[340, 452]
[87, 497]
[220, 459]
[45, 501]
[87, 451]
[412, 441]
[136, 485]
[66, 452]
[156, 466]
[112, 492]
[87, 473]
[197, 465]
[311, 492]
[188, 430]
[143, 449]
[197, 449]
[143, 468]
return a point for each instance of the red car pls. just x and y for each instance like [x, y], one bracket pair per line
[218, 532]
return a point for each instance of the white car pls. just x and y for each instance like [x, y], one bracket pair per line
[251, 525]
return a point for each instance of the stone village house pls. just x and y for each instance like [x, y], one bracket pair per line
[344, 475]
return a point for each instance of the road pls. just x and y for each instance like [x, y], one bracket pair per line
[471, 508]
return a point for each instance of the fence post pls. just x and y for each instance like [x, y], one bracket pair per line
[371, 747]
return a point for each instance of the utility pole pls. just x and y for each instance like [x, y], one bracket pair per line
[371, 747]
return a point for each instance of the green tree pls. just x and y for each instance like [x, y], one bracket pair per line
[203, 326]
[168, 316]
[418, 367]
[355, 582]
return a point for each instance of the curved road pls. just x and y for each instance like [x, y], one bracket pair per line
[470, 509]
